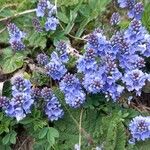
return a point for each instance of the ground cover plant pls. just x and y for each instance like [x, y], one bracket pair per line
[74, 75]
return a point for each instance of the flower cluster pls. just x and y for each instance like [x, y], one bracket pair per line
[4, 102]
[16, 37]
[140, 128]
[42, 59]
[55, 68]
[36, 93]
[52, 107]
[71, 87]
[115, 18]
[61, 49]
[108, 66]
[37, 25]
[45, 8]
[20, 103]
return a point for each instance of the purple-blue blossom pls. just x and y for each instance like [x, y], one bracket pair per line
[46, 93]
[129, 4]
[42, 59]
[4, 102]
[135, 32]
[53, 109]
[21, 85]
[41, 8]
[69, 84]
[37, 25]
[75, 99]
[113, 91]
[115, 18]
[17, 45]
[140, 128]
[98, 42]
[36, 93]
[19, 106]
[61, 48]
[16, 37]
[51, 23]
[136, 11]
[55, 68]
[135, 80]
[14, 32]
[93, 83]
[87, 63]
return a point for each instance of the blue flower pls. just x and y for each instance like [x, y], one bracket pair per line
[98, 42]
[37, 25]
[42, 59]
[53, 109]
[126, 3]
[131, 62]
[55, 68]
[46, 93]
[15, 37]
[69, 83]
[36, 93]
[51, 23]
[17, 45]
[135, 80]
[21, 85]
[61, 48]
[113, 91]
[14, 32]
[41, 8]
[75, 99]
[87, 63]
[140, 128]
[19, 106]
[4, 102]
[93, 83]
[137, 11]
[115, 19]
[135, 33]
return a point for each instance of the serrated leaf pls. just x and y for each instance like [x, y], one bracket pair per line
[11, 61]
[37, 40]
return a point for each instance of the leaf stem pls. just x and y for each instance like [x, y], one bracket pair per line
[18, 14]
[80, 127]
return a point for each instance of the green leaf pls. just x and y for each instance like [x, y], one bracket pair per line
[73, 16]
[54, 132]
[143, 145]
[6, 139]
[7, 88]
[1, 116]
[11, 61]
[43, 133]
[13, 137]
[50, 138]
[62, 17]
[37, 40]
[146, 18]
[26, 121]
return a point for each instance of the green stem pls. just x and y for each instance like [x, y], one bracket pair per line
[18, 14]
